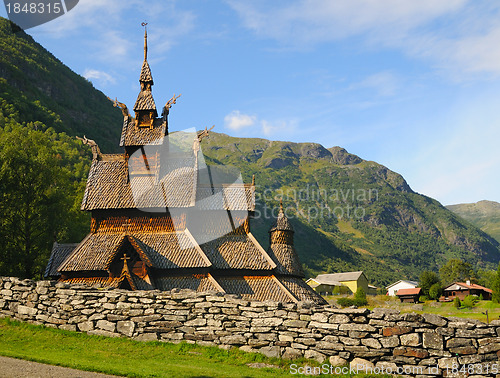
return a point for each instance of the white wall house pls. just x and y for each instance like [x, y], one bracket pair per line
[401, 284]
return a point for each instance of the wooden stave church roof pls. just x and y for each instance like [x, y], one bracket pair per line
[109, 186]
[140, 136]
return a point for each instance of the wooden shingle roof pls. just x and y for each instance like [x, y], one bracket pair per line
[140, 136]
[282, 222]
[159, 250]
[146, 73]
[145, 101]
[286, 259]
[227, 197]
[256, 288]
[109, 186]
[237, 251]
[59, 253]
[301, 290]
[197, 282]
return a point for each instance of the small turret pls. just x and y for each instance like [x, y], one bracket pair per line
[281, 247]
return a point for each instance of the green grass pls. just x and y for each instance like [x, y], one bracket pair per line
[130, 358]
[445, 309]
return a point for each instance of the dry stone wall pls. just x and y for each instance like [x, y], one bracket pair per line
[381, 339]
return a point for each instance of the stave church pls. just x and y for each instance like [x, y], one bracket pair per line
[162, 219]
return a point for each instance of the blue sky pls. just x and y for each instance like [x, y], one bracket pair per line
[413, 85]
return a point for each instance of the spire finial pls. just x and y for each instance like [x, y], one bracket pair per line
[253, 180]
[145, 40]
[281, 205]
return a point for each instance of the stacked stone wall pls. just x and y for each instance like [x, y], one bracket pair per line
[382, 338]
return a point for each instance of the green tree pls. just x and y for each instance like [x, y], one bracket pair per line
[435, 291]
[426, 280]
[456, 302]
[486, 277]
[496, 287]
[39, 192]
[456, 270]
[360, 297]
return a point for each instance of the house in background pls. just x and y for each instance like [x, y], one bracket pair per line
[411, 295]
[461, 290]
[372, 290]
[401, 284]
[326, 283]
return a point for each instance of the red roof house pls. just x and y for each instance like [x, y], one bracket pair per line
[409, 295]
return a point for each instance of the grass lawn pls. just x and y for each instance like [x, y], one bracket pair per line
[121, 356]
[445, 309]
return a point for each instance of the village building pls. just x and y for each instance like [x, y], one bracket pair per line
[463, 289]
[401, 284]
[160, 219]
[351, 281]
[410, 295]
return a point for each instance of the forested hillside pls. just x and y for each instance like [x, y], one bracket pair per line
[36, 86]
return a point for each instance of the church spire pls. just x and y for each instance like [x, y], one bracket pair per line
[145, 107]
[145, 42]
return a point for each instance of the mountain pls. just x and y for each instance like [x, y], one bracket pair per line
[36, 86]
[482, 214]
[348, 213]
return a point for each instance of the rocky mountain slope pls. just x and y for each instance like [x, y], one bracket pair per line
[350, 213]
[482, 214]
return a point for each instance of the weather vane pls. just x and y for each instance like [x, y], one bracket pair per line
[144, 23]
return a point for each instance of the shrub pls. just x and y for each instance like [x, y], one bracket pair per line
[470, 301]
[423, 298]
[345, 302]
[360, 297]
[456, 302]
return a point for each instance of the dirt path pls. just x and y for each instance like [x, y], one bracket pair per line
[14, 368]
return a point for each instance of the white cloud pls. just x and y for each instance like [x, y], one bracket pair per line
[456, 35]
[101, 77]
[315, 21]
[237, 121]
[105, 25]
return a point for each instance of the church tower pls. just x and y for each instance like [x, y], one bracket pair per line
[281, 247]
